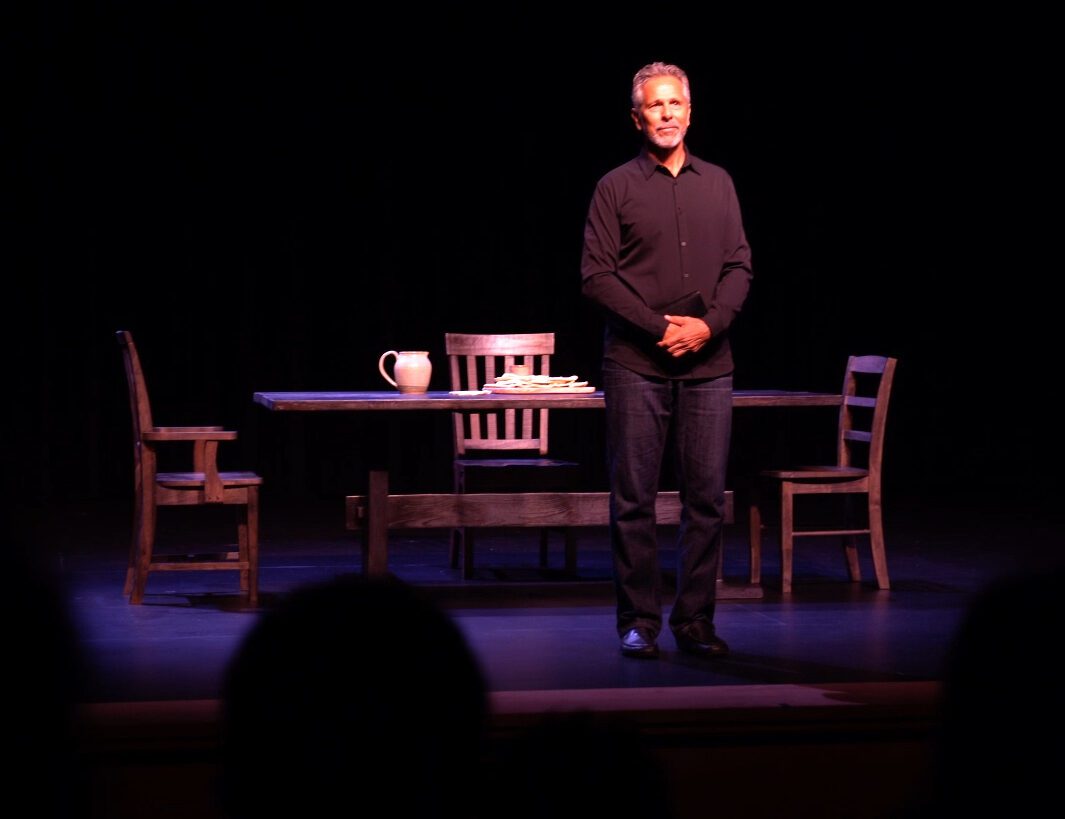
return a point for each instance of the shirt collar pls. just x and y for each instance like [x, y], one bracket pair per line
[648, 163]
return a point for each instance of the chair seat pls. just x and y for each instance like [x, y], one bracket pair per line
[183, 479]
[511, 463]
[817, 473]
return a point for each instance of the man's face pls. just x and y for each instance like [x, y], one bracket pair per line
[664, 114]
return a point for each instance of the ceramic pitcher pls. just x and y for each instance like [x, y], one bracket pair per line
[412, 369]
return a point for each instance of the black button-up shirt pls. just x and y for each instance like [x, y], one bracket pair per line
[651, 238]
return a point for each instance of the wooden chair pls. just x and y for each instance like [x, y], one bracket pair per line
[205, 484]
[860, 451]
[519, 437]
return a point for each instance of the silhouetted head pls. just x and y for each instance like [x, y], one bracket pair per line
[45, 672]
[346, 693]
[1000, 745]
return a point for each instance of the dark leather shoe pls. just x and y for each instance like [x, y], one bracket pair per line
[639, 642]
[700, 639]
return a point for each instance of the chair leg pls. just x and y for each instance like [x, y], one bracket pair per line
[458, 536]
[145, 543]
[134, 541]
[850, 542]
[242, 547]
[787, 528]
[467, 554]
[544, 538]
[570, 541]
[455, 548]
[850, 554]
[250, 545]
[876, 540]
[461, 551]
[755, 539]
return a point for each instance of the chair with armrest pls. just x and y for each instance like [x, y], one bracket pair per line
[205, 484]
[857, 471]
[506, 449]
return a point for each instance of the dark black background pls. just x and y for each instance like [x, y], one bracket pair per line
[270, 197]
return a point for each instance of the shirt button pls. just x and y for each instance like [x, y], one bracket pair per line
[683, 244]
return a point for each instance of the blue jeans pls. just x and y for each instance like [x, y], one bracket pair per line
[640, 411]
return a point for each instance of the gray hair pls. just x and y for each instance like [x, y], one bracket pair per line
[652, 70]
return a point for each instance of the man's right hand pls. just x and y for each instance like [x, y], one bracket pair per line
[685, 334]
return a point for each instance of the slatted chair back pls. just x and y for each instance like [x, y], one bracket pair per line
[476, 359]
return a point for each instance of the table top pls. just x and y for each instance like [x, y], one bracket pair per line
[393, 400]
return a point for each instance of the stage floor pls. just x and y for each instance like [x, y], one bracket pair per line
[535, 630]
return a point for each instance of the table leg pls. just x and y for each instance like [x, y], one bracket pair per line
[375, 551]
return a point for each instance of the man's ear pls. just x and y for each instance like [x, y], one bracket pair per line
[636, 119]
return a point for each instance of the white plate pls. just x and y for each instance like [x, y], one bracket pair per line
[468, 392]
[540, 390]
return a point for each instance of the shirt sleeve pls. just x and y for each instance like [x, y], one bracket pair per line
[735, 279]
[600, 281]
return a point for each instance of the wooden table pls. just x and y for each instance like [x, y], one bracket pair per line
[375, 553]
[391, 401]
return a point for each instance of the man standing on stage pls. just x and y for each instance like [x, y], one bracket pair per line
[666, 258]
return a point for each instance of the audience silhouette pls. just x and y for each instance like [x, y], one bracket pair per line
[43, 764]
[999, 748]
[356, 696]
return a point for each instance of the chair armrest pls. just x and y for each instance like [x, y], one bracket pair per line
[188, 434]
[204, 451]
[187, 429]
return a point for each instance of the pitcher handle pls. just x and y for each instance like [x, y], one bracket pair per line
[381, 367]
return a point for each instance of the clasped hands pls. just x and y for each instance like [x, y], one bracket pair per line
[685, 334]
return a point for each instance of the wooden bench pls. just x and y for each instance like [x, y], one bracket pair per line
[498, 510]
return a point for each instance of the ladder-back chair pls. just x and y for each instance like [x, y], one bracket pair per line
[857, 471]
